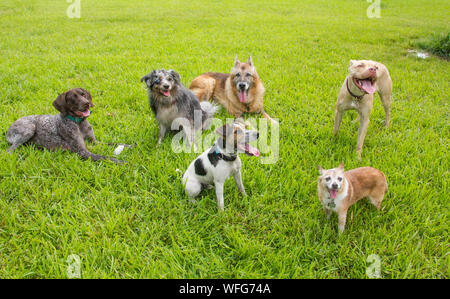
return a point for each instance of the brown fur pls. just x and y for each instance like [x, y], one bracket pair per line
[362, 182]
[220, 88]
[360, 69]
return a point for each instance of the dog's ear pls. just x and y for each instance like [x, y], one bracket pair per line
[320, 169]
[176, 77]
[60, 103]
[148, 79]
[341, 166]
[236, 61]
[249, 61]
[88, 96]
[352, 62]
[225, 130]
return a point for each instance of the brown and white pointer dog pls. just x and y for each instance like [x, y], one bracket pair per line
[66, 130]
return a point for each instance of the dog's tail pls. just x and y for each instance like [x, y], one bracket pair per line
[209, 109]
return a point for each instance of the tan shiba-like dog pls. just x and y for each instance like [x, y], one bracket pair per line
[238, 92]
[365, 77]
[338, 190]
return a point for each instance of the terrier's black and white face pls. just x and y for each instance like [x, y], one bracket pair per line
[162, 83]
[237, 139]
[332, 179]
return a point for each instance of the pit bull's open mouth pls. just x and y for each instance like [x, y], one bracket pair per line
[249, 150]
[85, 113]
[366, 85]
[243, 93]
[165, 93]
[333, 193]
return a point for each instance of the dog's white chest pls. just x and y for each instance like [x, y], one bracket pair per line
[334, 204]
[167, 114]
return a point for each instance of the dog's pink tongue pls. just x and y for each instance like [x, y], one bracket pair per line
[333, 193]
[166, 93]
[252, 150]
[367, 86]
[242, 96]
[86, 113]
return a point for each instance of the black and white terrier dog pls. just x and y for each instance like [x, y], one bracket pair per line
[215, 165]
[174, 105]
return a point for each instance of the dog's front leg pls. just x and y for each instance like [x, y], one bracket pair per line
[219, 193]
[342, 220]
[189, 132]
[238, 179]
[162, 133]
[337, 120]
[88, 132]
[364, 124]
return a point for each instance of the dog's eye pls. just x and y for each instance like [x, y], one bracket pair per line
[327, 179]
[339, 179]
[169, 79]
[157, 81]
[361, 65]
[248, 74]
[238, 75]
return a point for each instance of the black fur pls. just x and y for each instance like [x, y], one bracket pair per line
[215, 157]
[199, 168]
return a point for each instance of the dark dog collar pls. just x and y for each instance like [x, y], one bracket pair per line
[215, 155]
[76, 119]
[352, 94]
[225, 157]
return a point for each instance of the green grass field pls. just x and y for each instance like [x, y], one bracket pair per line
[135, 221]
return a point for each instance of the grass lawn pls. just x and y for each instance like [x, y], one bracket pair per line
[135, 221]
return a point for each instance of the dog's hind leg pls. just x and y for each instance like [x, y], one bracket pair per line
[193, 188]
[203, 87]
[20, 132]
[385, 98]
[266, 116]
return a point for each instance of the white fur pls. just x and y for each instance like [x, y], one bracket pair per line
[214, 176]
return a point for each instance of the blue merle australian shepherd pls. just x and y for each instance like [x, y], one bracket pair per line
[175, 106]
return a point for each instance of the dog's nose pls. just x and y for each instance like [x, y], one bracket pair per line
[257, 135]
[372, 69]
[241, 85]
[335, 186]
[166, 86]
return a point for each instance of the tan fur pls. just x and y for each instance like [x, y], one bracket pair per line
[383, 85]
[362, 182]
[220, 88]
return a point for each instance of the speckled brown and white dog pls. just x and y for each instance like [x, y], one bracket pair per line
[66, 130]
[338, 190]
[238, 92]
[365, 77]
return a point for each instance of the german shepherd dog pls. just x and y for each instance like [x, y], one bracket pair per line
[239, 92]
[174, 105]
